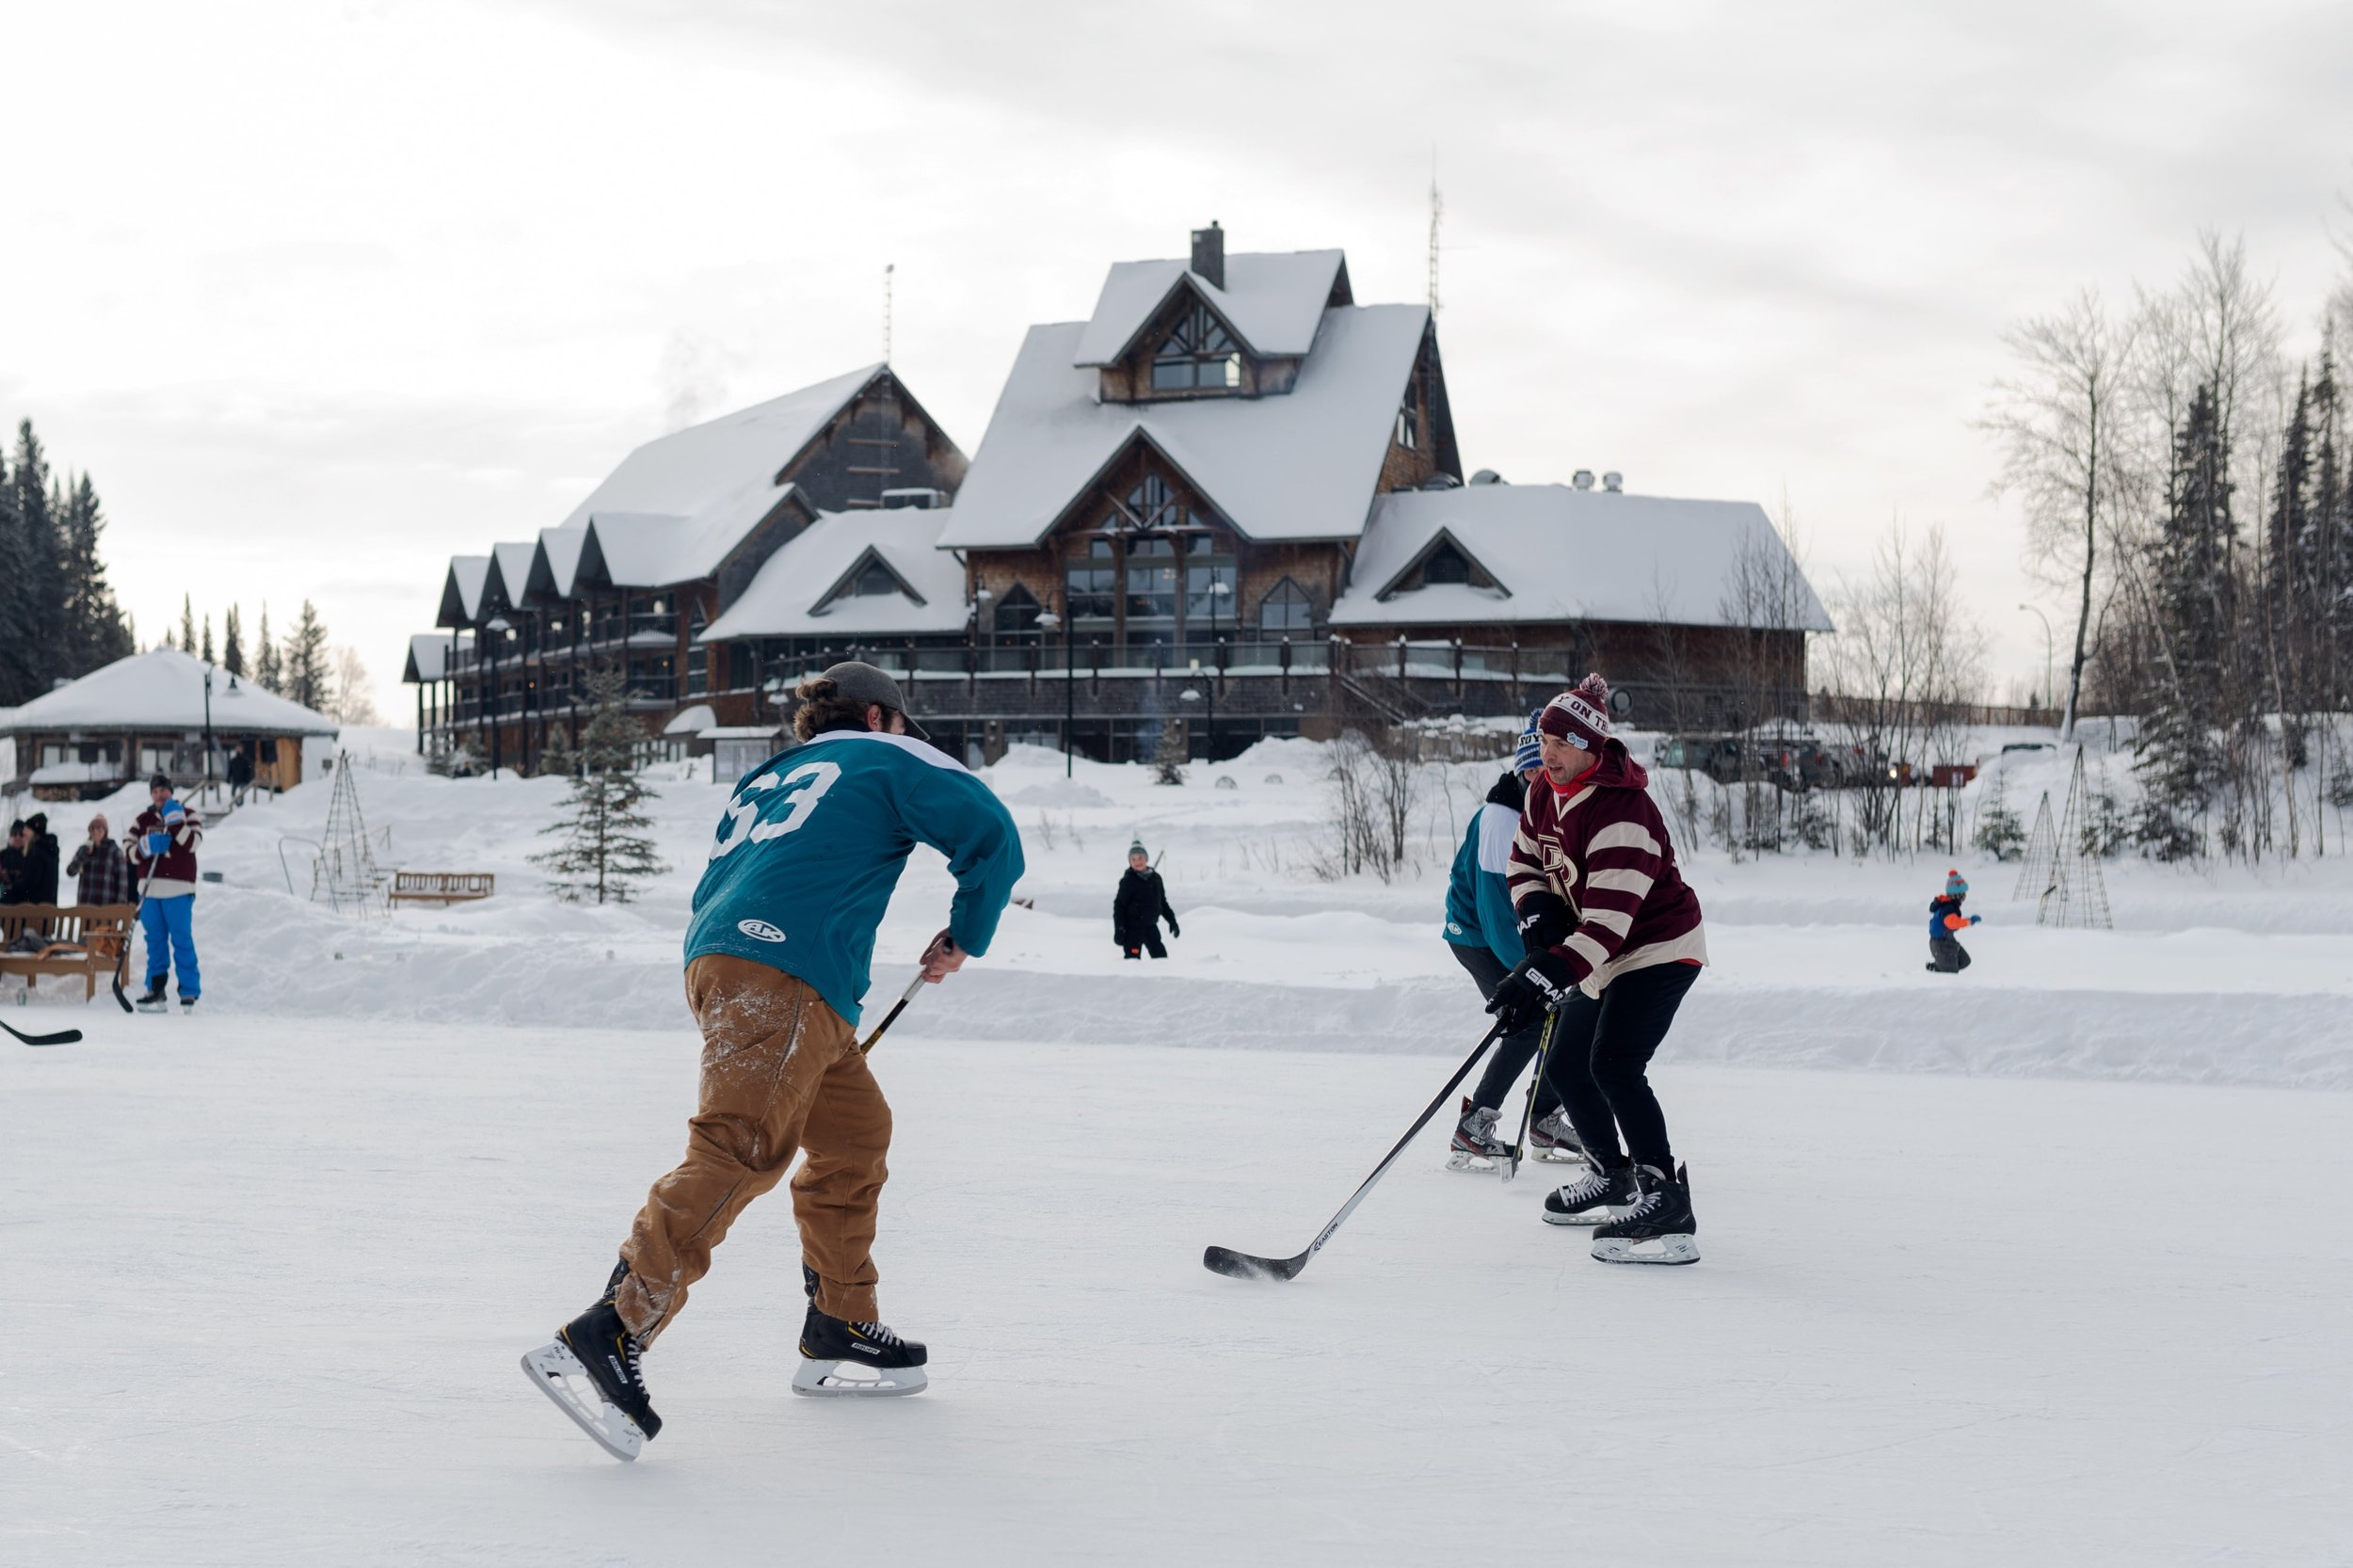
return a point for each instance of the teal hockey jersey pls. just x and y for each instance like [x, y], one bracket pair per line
[812, 844]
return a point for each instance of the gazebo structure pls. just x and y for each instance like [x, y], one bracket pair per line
[159, 712]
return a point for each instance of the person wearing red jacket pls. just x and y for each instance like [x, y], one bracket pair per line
[1614, 941]
[163, 852]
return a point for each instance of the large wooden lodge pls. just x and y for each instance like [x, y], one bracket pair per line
[1231, 499]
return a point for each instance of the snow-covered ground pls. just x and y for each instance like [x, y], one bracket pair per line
[2064, 1287]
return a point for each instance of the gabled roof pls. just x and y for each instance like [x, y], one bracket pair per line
[1272, 301]
[511, 564]
[1568, 555]
[1441, 536]
[428, 656]
[164, 689]
[555, 561]
[1300, 466]
[791, 594]
[707, 485]
[461, 590]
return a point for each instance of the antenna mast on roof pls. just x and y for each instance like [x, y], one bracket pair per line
[888, 267]
[1437, 210]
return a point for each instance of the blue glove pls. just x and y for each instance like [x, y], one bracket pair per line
[157, 843]
[1977, 919]
[1527, 993]
[174, 813]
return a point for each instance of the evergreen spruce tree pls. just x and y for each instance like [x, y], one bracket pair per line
[16, 631]
[206, 653]
[603, 850]
[1168, 755]
[2195, 609]
[188, 625]
[304, 674]
[557, 759]
[40, 615]
[268, 671]
[96, 632]
[232, 643]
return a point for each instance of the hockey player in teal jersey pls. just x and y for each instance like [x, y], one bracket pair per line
[778, 956]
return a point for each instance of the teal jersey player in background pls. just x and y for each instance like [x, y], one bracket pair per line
[778, 953]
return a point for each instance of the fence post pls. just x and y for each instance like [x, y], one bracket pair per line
[1458, 669]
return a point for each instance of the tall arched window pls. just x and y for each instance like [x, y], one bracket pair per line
[1199, 354]
[1286, 608]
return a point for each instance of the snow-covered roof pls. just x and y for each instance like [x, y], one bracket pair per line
[557, 559]
[796, 592]
[691, 721]
[461, 590]
[1299, 465]
[77, 773]
[1562, 554]
[1273, 300]
[428, 655]
[513, 562]
[164, 689]
[711, 483]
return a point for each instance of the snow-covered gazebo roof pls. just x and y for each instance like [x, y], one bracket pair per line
[164, 690]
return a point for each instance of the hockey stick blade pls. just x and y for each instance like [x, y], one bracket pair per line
[1241, 1264]
[63, 1037]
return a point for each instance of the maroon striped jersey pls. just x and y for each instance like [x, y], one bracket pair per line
[1603, 847]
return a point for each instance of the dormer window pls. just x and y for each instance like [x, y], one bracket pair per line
[1444, 564]
[876, 580]
[1408, 427]
[1199, 355]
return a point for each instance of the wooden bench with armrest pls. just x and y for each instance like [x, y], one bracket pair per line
[74, 939]
[441, 887]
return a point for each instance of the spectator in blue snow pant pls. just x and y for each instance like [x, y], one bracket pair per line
[163, 852]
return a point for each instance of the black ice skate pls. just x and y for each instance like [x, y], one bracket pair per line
[590, 1369]
[1595, 1198]
[187, 1005]
[1476, 1147]
[153, 1001]
[1660, 1228]
[1554, 1140]
[838, 1358]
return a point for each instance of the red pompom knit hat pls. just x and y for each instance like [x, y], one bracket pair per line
[1579, 715]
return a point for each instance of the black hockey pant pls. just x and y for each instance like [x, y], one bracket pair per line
[1948, 957]
[1599, 1051]
[1513, 1051]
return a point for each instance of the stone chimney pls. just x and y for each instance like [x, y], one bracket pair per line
[1209, 254]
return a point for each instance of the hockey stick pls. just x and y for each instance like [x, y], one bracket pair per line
[1528, 1110]
[892, 1017]
[122, 959]
[1239, 1265]
[63, 1037]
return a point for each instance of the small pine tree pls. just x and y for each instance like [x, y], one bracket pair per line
[557, 759]
[603, 850]
[2000, 833]
[304, 674]
[188, 625]
[206, 654]
[1169, 757]
[232, 643]
[269, 672]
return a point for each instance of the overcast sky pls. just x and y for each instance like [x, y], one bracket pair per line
[322, 291]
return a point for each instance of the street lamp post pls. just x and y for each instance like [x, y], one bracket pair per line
[1218, 590]
[208, 726]
[497, 627]
[2048, 696]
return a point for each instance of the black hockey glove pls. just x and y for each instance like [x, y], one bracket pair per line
[1544, 921]
[1530, 992]
[1173, 931]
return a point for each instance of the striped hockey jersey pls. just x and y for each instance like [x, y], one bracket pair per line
[1603, 848]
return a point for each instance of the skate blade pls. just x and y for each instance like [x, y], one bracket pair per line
[557, 1373]
[1603, 1215]
[1647, 1249]
[855, 1380]
[1476, 1165]
[1553, 1154]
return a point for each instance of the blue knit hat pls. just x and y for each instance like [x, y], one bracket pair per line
[1528, 754]
[1956, 886]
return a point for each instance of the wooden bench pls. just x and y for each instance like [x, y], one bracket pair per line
[75, 939]
[441, 887]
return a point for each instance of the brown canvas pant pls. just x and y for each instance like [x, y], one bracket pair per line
[781, 1071]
